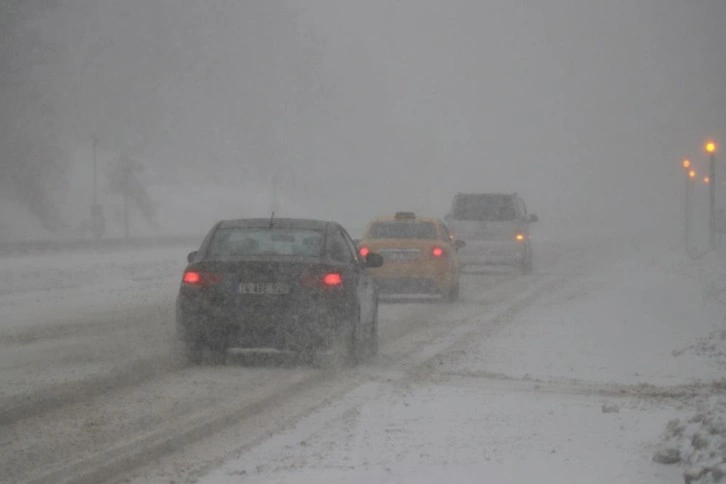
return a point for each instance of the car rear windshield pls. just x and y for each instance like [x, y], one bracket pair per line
[256, 241]
[402, 230]
[484, 208]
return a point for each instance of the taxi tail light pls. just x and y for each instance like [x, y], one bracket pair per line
[438, 252]
[201, 279]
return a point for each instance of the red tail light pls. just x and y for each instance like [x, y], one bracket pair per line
[437, 252]
[332, 279]
[192, 277]
[196, 278]
[364, 251]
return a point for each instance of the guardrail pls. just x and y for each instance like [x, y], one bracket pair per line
[8, 249]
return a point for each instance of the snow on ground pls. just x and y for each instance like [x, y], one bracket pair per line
[459, 431]
[698, 440]
[619, 362]
[616, 325]
[576, 387]
[71, 321]
[64, 286]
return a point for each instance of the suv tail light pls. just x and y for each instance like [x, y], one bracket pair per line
[197, 278]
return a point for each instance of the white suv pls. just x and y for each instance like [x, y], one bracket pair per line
[495, 227]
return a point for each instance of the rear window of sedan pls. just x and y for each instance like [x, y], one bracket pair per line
[484, 208]
[402, 230]
[257, 241]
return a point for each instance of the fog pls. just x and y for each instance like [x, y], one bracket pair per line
[581, 345]
[357, 108]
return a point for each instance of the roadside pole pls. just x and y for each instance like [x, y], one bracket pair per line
[687, 211]
[712, 201]
[710, 147]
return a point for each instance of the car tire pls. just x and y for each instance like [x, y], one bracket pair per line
[527, 266]
[198, 352]
[345, 349]
[190, 353]
[217, 355]
[453, 293]
[351, 354]
[373, 341]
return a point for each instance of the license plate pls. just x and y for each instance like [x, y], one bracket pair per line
[400, 255]
[264, 288]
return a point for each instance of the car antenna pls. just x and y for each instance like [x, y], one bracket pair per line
[272, 218]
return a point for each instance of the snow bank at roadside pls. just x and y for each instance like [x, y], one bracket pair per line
[712, 271]
[698, 441]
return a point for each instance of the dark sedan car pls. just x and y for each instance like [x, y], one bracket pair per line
[289, 285]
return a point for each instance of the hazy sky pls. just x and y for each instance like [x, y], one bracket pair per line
[370, 106]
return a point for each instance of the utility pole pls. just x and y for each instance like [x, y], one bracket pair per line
[711, 150]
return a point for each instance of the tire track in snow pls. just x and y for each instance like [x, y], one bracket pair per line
[135, 451]
[364, 381]
[50, 397]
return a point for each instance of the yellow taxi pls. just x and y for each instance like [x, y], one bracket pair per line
[419, 253]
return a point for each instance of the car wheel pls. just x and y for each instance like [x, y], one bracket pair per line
[345, 349]
[217, 355]
[373, 341]
[190, 353]
[527, 265]
[351, 353]
[198, 352]
[453, 294]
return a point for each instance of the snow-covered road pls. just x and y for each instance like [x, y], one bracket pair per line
[73, 323]
[568, 375]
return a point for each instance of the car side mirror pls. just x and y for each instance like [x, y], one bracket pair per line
[374, 260]
[459, 244]
[192, 256]
[532, 218]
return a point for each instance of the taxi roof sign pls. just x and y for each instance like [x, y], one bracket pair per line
[405, 216]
